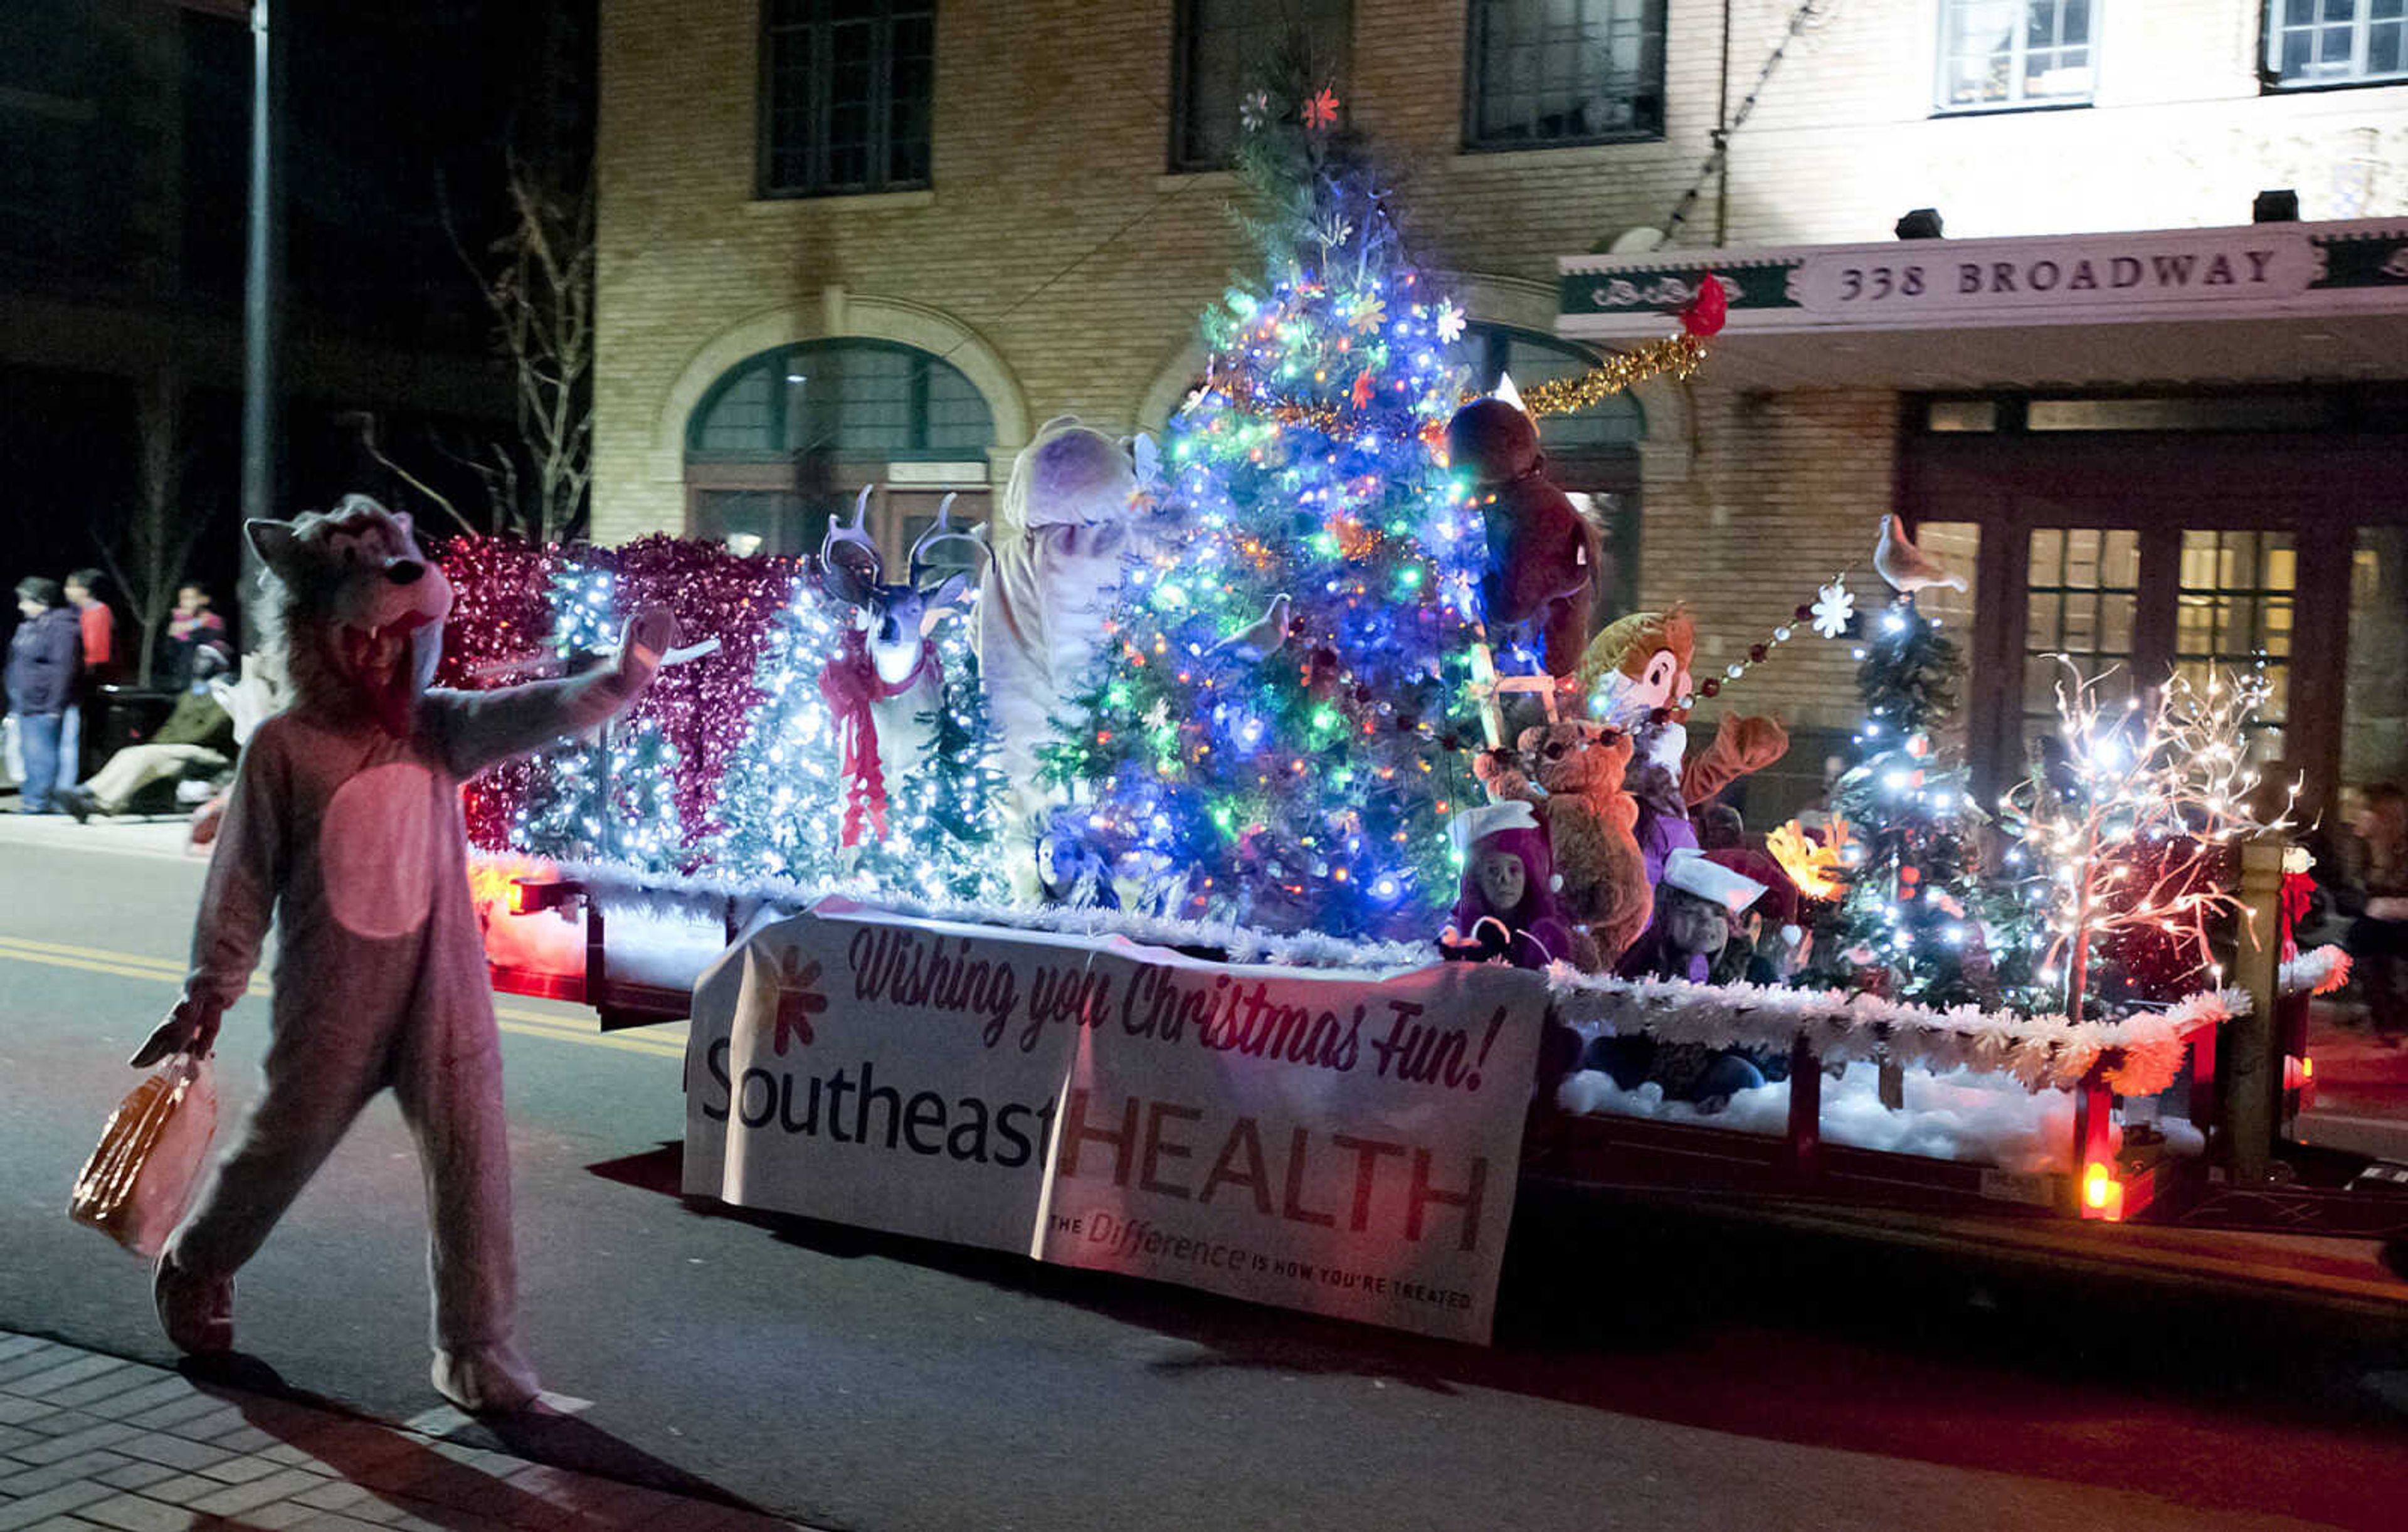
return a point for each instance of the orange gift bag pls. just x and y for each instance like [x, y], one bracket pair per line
[139, 1182]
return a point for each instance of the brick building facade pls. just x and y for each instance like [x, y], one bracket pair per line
[1044, 249]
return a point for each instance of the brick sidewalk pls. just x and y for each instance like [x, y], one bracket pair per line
[88, 1440]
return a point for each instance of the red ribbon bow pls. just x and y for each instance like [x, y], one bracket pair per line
[2298, 890]
[850, 683]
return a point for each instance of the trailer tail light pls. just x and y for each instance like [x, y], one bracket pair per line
[2103, 1195]
[533, 896]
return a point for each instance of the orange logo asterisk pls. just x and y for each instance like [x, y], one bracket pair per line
[799, 1001]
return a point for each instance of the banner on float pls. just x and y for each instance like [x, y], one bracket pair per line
[1345, 1143]
[1342, 1143]
[893, 1073]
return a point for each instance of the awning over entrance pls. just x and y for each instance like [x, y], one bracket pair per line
[2264, 302]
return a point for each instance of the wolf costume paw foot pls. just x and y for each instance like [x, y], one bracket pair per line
[197, 1312]
[485, 1380]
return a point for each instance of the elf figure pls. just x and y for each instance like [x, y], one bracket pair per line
[1506, 910]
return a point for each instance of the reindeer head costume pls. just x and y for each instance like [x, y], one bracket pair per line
[886, 675]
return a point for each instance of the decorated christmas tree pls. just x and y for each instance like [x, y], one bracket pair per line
[612, 798]
[1912, 906]
[1282, 722]
[789, 809]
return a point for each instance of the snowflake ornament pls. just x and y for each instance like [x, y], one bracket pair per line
[1254, 110]
[1369, 314]
[1321, 110]
[1158, 716]
[1363, 386]
[1450, 323]
[1835, 604]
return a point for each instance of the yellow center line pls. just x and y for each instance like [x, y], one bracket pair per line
[136, 959]
[531, 1023]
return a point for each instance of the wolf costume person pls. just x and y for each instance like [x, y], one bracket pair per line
[344, 823]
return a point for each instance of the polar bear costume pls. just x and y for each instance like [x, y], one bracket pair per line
[344, 824]
[1061, 543]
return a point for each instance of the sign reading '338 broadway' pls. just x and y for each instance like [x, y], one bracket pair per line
[2262, 269]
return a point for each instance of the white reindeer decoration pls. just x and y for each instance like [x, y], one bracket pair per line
[885, 686]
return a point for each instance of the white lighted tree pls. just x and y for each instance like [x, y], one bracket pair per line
[2128, 820]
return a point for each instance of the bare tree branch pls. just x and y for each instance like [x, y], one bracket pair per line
[367, 423]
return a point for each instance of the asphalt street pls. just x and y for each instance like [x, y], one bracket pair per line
[1651, 1369]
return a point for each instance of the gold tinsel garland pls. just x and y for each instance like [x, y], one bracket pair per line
[1677, 355]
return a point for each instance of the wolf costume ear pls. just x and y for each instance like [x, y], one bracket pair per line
[273, 541]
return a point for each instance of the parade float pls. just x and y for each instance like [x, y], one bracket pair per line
[1249, 860]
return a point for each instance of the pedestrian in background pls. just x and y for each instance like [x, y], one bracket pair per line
[45, 660]
[192, 626]
[99, 629]
[2371, 885]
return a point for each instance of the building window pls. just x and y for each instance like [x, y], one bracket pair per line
[2334, 42]
[1222, 47]
[2233, 604]
[786, 439]
[2082, 592]
[1592, 452]
[864, 399]
[1998, 53]
[1544, 73]
[1614, 423]
[845, 92]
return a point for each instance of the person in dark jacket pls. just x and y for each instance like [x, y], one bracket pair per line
[99, 625]
[45, 663]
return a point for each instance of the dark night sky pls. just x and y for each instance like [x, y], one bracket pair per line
[384, 101]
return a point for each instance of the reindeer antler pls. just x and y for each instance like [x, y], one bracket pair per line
[943, 530]
[851, 568]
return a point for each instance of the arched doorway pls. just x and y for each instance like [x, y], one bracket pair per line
[788, 437]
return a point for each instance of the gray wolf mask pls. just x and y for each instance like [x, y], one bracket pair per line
[364, 607]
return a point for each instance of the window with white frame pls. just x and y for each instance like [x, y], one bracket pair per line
[1541, 73]
[2336, 42]
[1999, 53]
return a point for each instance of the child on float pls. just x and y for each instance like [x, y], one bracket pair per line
[1695, 908]
[1505, 908]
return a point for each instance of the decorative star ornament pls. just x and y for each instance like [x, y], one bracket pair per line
[1834, 605]
[1321, 109]
[1369, 314]
[1450, 323]
[1254, 110]
[1363, 386]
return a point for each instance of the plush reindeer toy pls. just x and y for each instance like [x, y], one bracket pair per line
[885, 684]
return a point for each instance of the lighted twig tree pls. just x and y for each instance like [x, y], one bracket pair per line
[2131, 812]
